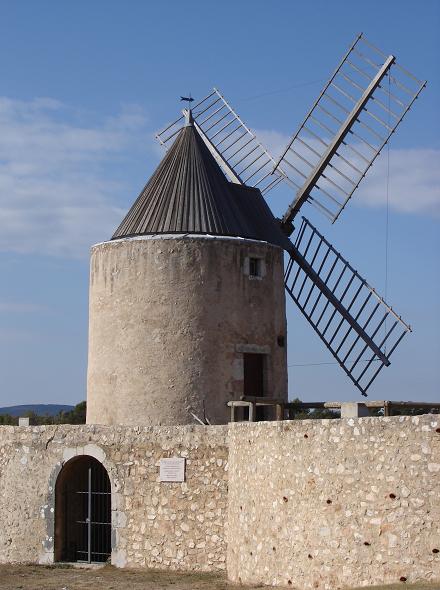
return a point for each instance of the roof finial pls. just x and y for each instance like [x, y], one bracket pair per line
[187, 112]
[188, 118]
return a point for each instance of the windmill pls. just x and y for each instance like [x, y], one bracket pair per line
[352, 119]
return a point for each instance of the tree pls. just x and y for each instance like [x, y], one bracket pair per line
[314, 413]
[8, 420]
[75, 416]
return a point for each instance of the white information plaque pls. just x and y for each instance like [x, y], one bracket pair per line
[172, 469]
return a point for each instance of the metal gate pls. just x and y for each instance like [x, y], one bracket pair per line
[86, 526]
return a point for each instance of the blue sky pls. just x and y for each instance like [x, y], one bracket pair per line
[84, 86]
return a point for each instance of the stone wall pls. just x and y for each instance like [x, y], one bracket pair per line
[170, 525]
[307, 504]
[334, 503]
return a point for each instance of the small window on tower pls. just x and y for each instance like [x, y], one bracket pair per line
[254, 267]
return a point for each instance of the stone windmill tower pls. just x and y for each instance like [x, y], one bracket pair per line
[187, 304]
[187, 309]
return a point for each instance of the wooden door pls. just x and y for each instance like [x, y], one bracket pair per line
[253, 380]
[253, 367]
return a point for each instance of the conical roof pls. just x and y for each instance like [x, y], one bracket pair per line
[188, 193]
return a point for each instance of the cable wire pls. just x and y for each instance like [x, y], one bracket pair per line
[280, 90]
[387, 215]
[329, 363]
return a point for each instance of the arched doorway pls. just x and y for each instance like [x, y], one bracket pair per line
[83, 512]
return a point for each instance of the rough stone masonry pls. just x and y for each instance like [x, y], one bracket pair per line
[335, 503]
[169, 525]
[306, 504]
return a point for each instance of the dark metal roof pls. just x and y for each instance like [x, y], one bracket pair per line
[188, 193]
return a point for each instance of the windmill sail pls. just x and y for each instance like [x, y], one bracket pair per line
[354, 322]
[354, 116]
[343, 133]
[237, 150]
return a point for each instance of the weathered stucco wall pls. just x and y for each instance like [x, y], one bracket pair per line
[334, 503]
[171, 525]
[170, 318]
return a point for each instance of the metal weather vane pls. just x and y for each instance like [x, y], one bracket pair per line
[188, 100]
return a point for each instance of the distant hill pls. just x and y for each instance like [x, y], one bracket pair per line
[39, 409]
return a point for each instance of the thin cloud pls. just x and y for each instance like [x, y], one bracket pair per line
[414, 182]
[8, 307]
[274, 141]
[9, 337]
[414, 177]
[57, 196]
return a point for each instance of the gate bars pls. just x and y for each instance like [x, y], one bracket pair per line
[96, 522]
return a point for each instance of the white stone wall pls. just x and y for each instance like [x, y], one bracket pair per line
[168, 525]
[334, 503]
[308, 504]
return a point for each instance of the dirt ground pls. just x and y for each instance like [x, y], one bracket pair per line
[33, 577]
[401, 587]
